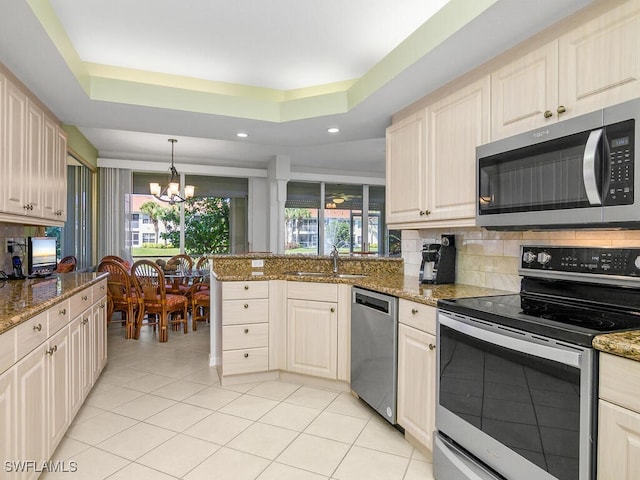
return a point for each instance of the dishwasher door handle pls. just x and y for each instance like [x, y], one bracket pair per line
[373, 303]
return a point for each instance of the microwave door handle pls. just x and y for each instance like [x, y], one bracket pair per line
[589, 164]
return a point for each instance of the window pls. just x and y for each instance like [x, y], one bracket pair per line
[214, 221]
[75, 238]
[339, 210]
[135, 239]
[148, 238]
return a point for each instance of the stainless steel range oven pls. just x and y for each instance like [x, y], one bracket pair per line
[517, 376]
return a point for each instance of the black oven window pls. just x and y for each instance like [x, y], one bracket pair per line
[529, 404]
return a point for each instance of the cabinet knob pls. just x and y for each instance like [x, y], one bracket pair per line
[414, 311]
[333, 309]
[425, 212]
[422, 212]
[561, 109]
[246, 330]
[63, 311]
[246, 287]
[84, 298]
[52, 350]
[246, 355]
[432, 346]
[38, 327]
[85, 321]
[246, 305]
[102, 305]
[548, 114]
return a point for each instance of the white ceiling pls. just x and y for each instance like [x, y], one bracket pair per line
[280, 44]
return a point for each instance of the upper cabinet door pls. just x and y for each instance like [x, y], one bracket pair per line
[405, 169]
[50, 169]
[15, 168]
[457, 124]
[600, 61]
[524, 93]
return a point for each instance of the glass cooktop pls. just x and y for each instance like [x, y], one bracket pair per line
[563, 319]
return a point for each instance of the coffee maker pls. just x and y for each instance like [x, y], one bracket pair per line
[439, 261]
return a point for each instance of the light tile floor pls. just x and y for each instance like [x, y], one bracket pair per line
[158, 412]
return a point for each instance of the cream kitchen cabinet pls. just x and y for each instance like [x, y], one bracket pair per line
[618, 419]
[406, 164]
[8, 415]
[318, 329]
[33, 160]
[524, 93]
[312, 329]
[41, 393]
[457, 124]
[15, 165]
[594, 65]
[245, 327]
[417, 372]
[431, 160]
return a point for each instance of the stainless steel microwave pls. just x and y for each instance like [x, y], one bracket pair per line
[576, 173]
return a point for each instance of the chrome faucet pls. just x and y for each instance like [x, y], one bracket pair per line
[334, 257]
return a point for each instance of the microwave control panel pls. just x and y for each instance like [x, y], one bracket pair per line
[587, 260]
[621, 143]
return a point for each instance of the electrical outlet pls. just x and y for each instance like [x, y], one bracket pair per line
[257, 263]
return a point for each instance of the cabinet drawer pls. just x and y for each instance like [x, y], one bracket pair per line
[99, 290]
[417, 315]
[59, 316]
[80, 302]
[247, 360]
[31, 333]
[236, 312]
[245, 290]
[319, 292]
[7, 349]
[620, 381]
[245, 336]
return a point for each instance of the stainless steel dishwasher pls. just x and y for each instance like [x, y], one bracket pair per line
[374, 350]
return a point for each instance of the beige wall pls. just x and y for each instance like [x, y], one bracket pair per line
[490, 259]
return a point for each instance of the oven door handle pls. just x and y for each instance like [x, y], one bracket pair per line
[556, 353]
[589, 166]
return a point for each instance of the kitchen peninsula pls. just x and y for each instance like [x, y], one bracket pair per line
[289, 317]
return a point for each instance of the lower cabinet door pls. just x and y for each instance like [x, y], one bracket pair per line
[417, 383]
[618, 443]
[59, 370]
[312, 338]
[8, 416]
[32, 431]
[76, 365]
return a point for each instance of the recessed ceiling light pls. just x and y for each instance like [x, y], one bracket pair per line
[333, 130]
[242, 135]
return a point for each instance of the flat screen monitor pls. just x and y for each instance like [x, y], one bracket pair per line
[42, 255]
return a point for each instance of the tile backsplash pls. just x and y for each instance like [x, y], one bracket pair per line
[490, 258]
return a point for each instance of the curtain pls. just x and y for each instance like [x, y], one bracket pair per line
[114, 212]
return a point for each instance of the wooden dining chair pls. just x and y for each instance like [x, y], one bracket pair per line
[67, 264]
[200, 302]
[169, 308]
[122, 296]
[118, 259]
[174, 264]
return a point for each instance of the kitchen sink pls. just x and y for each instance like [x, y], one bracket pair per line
[326, 274]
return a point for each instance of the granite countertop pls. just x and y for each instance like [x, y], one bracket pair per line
[22, 299]
[623, 344]
[401, 286]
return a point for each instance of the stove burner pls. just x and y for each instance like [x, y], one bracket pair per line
[580, 320]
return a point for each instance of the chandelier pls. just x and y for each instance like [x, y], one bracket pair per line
[171, 191]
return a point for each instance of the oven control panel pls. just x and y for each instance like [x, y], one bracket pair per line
[583, 260]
